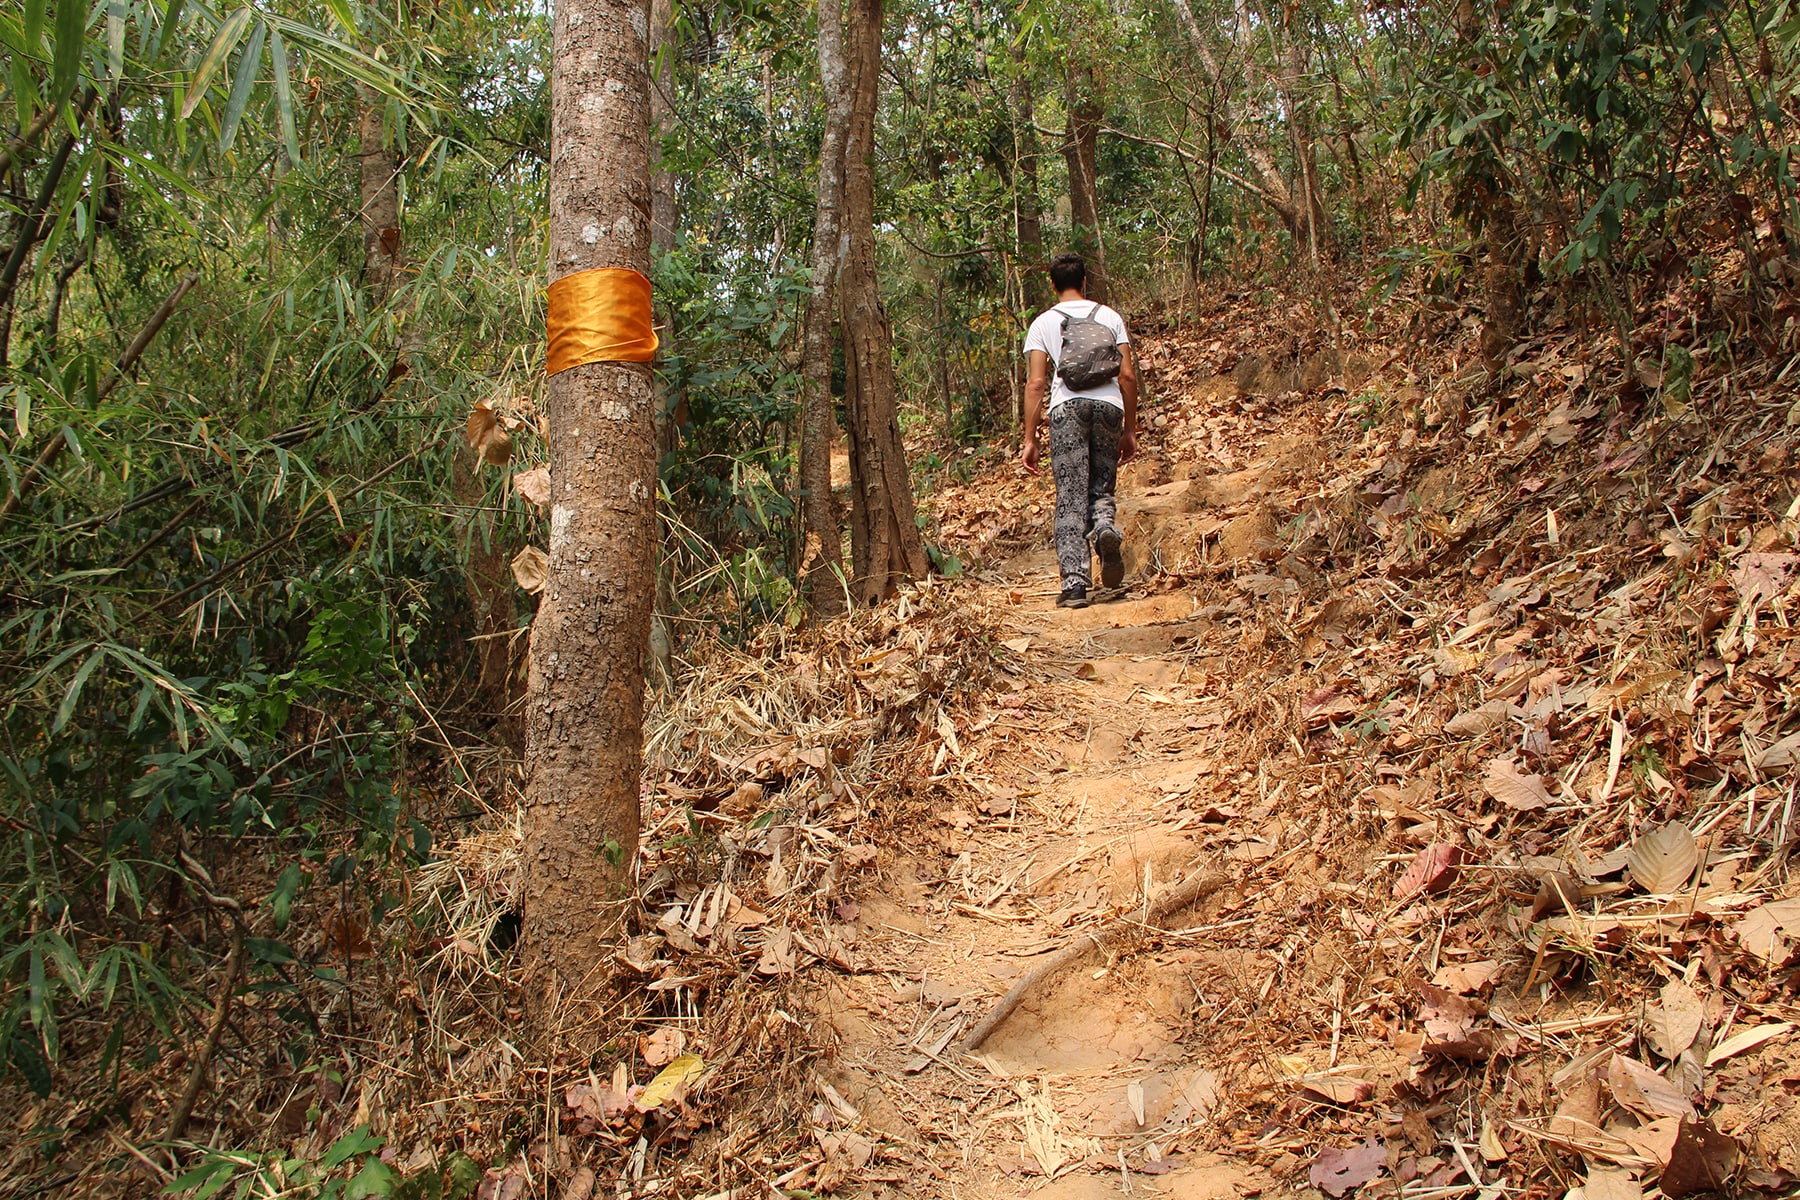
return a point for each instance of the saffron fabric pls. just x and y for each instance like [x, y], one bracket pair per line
[601, 315]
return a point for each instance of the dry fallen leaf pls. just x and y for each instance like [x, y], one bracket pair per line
[671, 1083]
[1737, 1043]
[530, 567]
[1478, 721]
[1640, 1089]
[1611, 1185]
[1433, 869]
[659, 1049]
[486, 437]
[1674, 1022]
[1339, 1172]
[1339, 1089]
[1467, 978]
[1512, 787]
[778, 957]
[1769, 931]
[1663, 860]
[1701, 1160]
[533, 486]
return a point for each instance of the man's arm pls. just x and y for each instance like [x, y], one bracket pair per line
[1128, 387]
[1037, 385]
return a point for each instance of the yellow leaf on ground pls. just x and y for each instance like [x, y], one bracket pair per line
[672, 1081]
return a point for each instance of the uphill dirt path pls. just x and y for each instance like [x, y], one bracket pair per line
[1085, 794]
[1468, 703]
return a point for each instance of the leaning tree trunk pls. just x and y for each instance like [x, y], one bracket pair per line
[585, 700]
[1080, 144]
[823, 556]
[884, 533]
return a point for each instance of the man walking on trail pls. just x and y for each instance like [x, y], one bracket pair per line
[1078, 352]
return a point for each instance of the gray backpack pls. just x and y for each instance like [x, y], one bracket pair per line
[1090, 356]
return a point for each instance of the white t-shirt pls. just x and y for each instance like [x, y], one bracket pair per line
[1046, 334]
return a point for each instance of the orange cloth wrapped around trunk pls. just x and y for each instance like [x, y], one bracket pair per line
[601, 315]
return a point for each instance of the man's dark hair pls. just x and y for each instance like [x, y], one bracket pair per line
[1068, 271]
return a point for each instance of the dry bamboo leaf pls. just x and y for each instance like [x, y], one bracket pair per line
[1513, 787]
[1750, 1038]
[530, 567]
[486, 437]
[533, 486]
[1663, 860]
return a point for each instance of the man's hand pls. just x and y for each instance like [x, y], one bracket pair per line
[1127, 446]
[1028, 454]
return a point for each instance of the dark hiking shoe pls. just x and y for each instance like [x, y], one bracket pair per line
[1073, 596]
[1112, 563]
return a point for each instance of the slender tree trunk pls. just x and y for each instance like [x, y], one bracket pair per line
[585, 703]
[380, 196]
[885, 544]
[1080, 144]
[1027, 210]
[1271, 185]
[823, 562]
[487, 578]
[664, 211]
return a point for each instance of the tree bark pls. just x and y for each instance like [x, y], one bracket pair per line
[585, 705]
[886, 548]
[380, 195]
[1027, 210]
[1086, 110]
[823, 563]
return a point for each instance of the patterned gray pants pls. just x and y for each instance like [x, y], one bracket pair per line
[1084, 455]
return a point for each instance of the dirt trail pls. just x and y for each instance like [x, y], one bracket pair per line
[1081, 818]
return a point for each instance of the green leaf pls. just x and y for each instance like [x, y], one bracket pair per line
[375, 1179]
[34, 25]
[242, 86]
[286, 888]
[71, 36]
[284, 97]
[27, 1059]
[357, 1141]
[268, 950]
[73, 695]
[115, 39]
[341, 10]
[171, 21]
[223, 43]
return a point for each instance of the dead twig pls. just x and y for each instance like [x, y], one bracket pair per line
[1180, 896]
[196, 1079]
